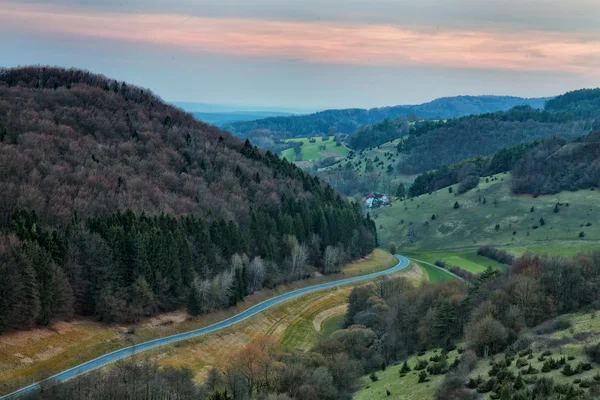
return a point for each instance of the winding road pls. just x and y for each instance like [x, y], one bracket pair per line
[125, 352]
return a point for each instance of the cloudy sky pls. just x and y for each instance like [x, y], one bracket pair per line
[314, 54]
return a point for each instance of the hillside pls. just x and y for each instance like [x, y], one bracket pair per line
[118, 206]
[433, 145]
[348, 120]
[555, 166]
[491, 214]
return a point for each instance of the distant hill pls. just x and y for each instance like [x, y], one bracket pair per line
[221, 118]
[349, 120]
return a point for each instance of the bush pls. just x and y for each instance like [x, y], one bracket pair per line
[470, 182]
[456, 205]
[553, 326]
[421, 365]
[474, 382]
[522, 362]
[487, 386]
[405, 368]
[593, 353]
[373, 377]
[568, 370]
[498, 255]
[423, 377]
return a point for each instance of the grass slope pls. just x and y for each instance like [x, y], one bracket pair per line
[402, 388]
[504, 220]
[569, 343]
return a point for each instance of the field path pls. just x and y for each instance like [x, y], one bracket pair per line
[120, 354]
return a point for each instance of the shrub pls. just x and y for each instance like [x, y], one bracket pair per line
[530, 370]
[373, 377]
[553, 326]
[456, 205]
[474, 382]
[493, 253]
[568, 370]
[423, 377]
[487, 386]
[581, 234]
[522, 362]
[593, 353]
[405, 368]
[421, 364]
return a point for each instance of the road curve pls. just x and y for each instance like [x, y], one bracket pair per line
[125, 352]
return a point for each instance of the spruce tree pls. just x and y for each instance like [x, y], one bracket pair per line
[194, 306]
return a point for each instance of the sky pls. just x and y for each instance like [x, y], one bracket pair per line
[313, 54]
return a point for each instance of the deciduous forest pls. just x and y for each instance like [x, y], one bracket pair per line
[118, 206]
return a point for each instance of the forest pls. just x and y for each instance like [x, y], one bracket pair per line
[432, 144]
[379, 133]
[118, 206]
[541, 167]
[347, 121]
[386, 322]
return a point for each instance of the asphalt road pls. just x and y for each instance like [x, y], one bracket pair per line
[138, 348]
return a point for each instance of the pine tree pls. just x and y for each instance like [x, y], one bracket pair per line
[194, 306]
[62, 295]
[456, 205]
[401, 192]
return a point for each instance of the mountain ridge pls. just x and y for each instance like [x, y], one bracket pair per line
[348, 120]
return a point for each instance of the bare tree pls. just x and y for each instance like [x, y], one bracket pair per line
[256, 274]
[330, 260]
[299, 261]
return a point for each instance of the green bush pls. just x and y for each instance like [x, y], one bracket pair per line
[421, 364]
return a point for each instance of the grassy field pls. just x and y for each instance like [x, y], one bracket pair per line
[33, 355]
[434, 275]
[468, 260]
[331, 324]
[569, 343]
[503, 220]
[313, 151]
[404, 388]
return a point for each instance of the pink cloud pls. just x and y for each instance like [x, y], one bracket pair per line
[325, 42]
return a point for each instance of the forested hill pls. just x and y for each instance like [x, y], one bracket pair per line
[431, 144]
[117, 205]
[349, 120]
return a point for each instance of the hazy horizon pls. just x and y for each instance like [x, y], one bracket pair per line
[314, 55]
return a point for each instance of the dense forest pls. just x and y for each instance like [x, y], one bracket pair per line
[437, 144]
[349, 120]
[583, 103]
[554, 166]
[433, 144]
[118, 206]
[468, 172]
[386, 322]
[379, 133]
[541, 167]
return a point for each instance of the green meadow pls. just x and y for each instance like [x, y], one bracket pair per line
[560, 224]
